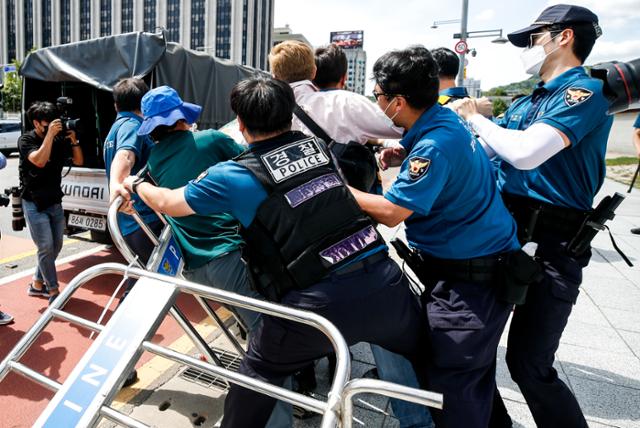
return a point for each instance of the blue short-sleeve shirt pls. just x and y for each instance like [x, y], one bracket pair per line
[123, 136]
[573, 103]
[637, 122]
[448, 183]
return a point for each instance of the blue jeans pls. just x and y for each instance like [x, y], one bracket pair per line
[396, 368]
[46, 228]
[229, 273]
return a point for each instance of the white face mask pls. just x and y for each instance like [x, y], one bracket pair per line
[389, 105]
[533, 58]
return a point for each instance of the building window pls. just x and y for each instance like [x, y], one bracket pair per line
[173, 20]
[256, 45]
[127, 16]
[105, 17]
[223, 29]
[28, 25]
[149, 16]
[65, 21]
[264, 34]
[85, 19]
[245, 17]
[11, 29]
[198, 16]
[45, 17]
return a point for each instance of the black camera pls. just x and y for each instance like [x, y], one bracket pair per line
[17, 215]
[621, 83]
[68, 124]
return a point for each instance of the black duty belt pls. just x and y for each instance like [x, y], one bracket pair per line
[534, 216]
[360, 264]
[479, 269]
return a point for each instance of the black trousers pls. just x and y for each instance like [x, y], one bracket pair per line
[466, 321]
[372, 305]
[534, 337]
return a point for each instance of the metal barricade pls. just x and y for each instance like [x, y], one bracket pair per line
[85, 396]
[167, 259]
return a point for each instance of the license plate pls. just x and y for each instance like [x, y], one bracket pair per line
[87, 222]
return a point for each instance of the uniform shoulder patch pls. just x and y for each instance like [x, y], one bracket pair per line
[418, 167]
[575, 96]
[202, 175]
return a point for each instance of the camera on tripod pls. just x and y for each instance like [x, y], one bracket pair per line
[17, 215]
[68, 123]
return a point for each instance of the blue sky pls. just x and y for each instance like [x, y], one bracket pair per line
[390, 24]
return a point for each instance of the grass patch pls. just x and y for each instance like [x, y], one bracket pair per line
[625, 160]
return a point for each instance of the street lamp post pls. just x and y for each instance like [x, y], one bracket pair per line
[464, 34]
[463, 37]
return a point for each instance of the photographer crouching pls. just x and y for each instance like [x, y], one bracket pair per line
[43, 153]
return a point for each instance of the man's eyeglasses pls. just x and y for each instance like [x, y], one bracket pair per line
[378, 94]
[535, 37]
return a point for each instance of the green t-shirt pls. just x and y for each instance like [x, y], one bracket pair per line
[179, 158]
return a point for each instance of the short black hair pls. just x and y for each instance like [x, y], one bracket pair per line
[331, 64]
[42, 110]
[411, 72]
[161, 131]
[448, 62]
[128, 93]
[584, 37]
[263, 104]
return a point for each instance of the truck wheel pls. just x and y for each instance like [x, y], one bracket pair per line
[101, 237]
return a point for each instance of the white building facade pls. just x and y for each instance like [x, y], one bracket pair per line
[356, 70]
[239, 30]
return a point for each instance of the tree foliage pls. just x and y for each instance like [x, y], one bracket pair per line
[12, 90]
[523, 87]
[499, 107]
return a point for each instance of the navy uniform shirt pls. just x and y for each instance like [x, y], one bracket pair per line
[637, 124]
[123, 136]
[447, 181]
[573, 103]
[229, 187]
[451, 94]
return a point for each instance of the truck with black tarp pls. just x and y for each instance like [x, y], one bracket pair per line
[86, 72]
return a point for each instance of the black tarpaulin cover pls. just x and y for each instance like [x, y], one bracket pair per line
[198, 77]
[98, 62]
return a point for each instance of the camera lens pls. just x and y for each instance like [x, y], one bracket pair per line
[72, 124]
[621, 83]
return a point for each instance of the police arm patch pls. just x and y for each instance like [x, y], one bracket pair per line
[418, 167]
[575, 96]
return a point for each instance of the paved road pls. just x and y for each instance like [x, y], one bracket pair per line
[17, 251]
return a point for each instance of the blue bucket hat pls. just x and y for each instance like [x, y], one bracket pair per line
[163, 106]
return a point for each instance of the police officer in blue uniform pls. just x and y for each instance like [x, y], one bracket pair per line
[448, 63]
[553, 164]
[457, 226]
[308, 246]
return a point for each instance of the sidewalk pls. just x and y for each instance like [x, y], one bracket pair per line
[599, 355]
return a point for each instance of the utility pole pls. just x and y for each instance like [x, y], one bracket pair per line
[463, 37]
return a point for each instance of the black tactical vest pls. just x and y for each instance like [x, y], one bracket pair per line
[309, 224]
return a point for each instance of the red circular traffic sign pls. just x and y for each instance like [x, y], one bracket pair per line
[461, 47]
